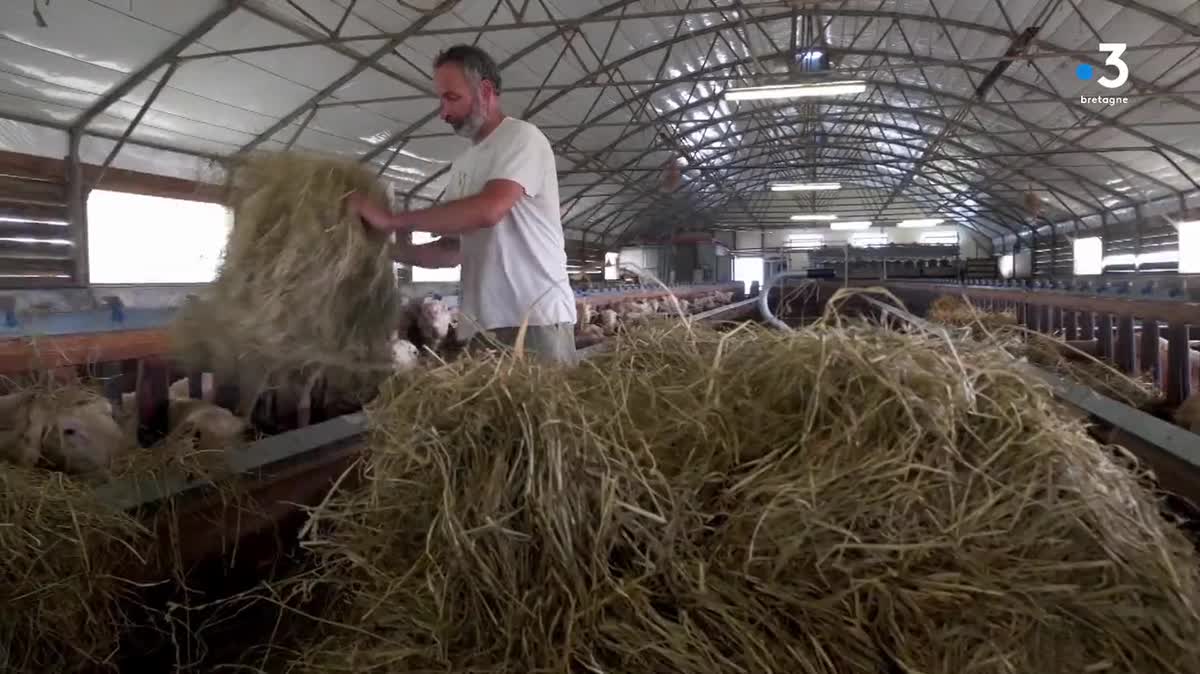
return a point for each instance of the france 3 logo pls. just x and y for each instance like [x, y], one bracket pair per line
[1087, 73]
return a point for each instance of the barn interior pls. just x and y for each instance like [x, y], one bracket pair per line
[888, 336]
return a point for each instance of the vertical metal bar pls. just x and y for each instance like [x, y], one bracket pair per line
[1047, 324]
[1071, 325]
[1149, 357]
[227, 391]
[1087, 325]
[1105, 325]
[127, 85]
[1179, 380]
[152, 398]
[110, 372]
[77, 210]
[1126, 346]
[196, 385]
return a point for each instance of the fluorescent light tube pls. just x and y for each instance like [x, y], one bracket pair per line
[804, 187]
[813, 218]
[849, 225]
[928, 222]
[796, 90]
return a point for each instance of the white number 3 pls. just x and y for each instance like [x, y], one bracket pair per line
[1115, 50]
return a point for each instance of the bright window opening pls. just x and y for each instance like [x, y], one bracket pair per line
[1189, 247]
[1089, 256]
[1160, 256]
[1006, 266]
[805, 241]
[134, 238]
[748, 270]
[611, 271]
[425, 274]
[868, 240]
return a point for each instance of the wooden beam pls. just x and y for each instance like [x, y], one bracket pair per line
[118, 180]
[20, 354]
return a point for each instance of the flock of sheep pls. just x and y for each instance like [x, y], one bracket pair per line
[598, 324]
[80, 432]
[428, 324]
[77, 431]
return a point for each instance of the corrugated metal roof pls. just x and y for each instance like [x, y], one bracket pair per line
[624, 87]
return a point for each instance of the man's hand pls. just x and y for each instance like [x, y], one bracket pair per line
[372, 214]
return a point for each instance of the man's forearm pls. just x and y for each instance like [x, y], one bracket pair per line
[449, 219]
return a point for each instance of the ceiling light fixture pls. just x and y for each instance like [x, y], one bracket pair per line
[927, 222]
[796, 90]
[849, 225]
[804, 187]
[813, 217]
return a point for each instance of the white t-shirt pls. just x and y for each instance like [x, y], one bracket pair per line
[520, 264]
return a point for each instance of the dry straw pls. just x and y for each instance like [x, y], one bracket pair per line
[63, 554]
[841, 498]
[957, 311]
[75, 564]
[1045, 351]
[302, 283]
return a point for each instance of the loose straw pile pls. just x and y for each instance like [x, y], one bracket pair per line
[63, 553]
[74, 563]
[956, 311]
[841, 498]
[303, 283]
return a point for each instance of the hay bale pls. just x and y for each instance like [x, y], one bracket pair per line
[302, 282]
[63, 554]
[838, 499]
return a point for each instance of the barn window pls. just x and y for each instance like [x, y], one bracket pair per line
[134, 238]
[1089, 256]
[942, 238]
[1006, 265]
[1189, 247]
[611, 270]
[748, 270]
[443, 275]
[863, 240]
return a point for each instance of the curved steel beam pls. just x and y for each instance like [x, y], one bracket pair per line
[627, 220]
[633, 214]
[1002, 205]
[738, 171]
[933, 118]
[127, 85]
[992, 30]
[358, 68]
[534, 46]
[890, 109]
[886, 108]
[920, 134]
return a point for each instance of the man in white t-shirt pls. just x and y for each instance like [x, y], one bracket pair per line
[500, 219]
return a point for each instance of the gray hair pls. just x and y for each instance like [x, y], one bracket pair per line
[475, 62]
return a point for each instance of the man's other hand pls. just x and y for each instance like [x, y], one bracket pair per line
[370, 213]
